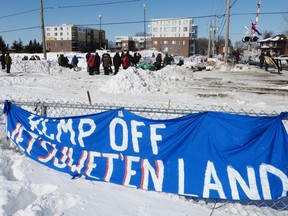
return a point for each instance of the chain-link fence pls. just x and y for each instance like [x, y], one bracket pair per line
[277, 207]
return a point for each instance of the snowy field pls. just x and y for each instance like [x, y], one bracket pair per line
[28, 188]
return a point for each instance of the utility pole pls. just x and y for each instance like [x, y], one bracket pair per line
[209, 42]
[214, 37]
[43, 30]
[227, 29]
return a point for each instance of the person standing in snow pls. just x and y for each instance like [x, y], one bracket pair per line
[8, 62]
[97, 67]
[167, 60]
[106, 63]
[3, 60]
[74, 62]
[116, 62]
[87, 58]
[237, 56]
[91, 64]
[262, 59]
[137, 57]
[125, 61]
[158, 62]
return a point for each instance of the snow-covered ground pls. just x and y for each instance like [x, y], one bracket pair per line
[28, 188]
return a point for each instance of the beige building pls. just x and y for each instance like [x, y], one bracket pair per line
[73, 38]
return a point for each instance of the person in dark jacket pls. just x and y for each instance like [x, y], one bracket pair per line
[97, 67]
[106, 63]
[116, 62]
[158, 63]
[87, 58]
[8, 62]
[3, 60]
[137, 57]
[262, 59]
[167, 60]
[74, 62]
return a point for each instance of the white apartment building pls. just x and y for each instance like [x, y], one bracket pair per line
[175, 35]
[183, 27]
[73, 38]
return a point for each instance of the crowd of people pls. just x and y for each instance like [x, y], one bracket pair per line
[124, 59]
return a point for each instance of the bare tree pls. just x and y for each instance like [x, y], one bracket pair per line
[286, 23]
[202, 45]
[267, 34]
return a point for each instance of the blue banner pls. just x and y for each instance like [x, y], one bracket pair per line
[207, 155]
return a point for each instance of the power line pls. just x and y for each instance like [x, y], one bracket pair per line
[97, 4]
[24, 12]
[20, 29]
[137, 22]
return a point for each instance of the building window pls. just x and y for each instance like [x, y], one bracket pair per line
[61, 28]
[185, 29]
[55, 34]
[61, 33]
[48, 34]
[183, 43]
[47, 29]
[155, 42]
[173, 22]
[174, 42]
[165, 42]
[166, 29]
[174, 29]
[55, 28]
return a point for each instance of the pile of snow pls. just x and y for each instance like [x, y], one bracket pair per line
[145, 82]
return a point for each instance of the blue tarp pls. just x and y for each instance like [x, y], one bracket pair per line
[208, 154]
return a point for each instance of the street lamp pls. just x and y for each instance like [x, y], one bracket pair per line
[144, 7]
[100, 32]
[100, 17]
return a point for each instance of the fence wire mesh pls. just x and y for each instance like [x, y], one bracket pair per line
[277, 207]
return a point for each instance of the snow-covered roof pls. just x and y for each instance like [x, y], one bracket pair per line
[280, 37]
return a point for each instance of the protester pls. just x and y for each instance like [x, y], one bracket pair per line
[74, 62]
[181, 62]
[237, 56]
[97, 67]
[167, 60]
[125, 61]
[8, 62]
[158, 63]
[87, 58]
[91, 64]
[116, 62]
[106, 63]
[262, 59]
[3, 60]
[137, 57]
